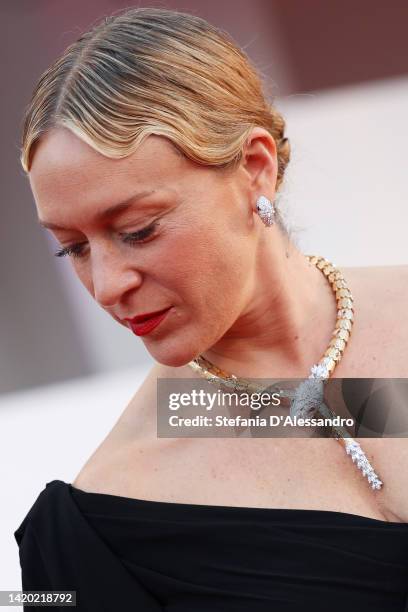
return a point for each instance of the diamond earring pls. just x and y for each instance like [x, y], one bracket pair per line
[265, 210]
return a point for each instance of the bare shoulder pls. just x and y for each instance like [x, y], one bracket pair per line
[381, 298]
[389, 284]
[380, 331]
[139, 418]
[134, 434]
[382, 293]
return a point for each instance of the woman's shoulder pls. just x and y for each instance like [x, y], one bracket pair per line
[387, 282]
[132, 436]
[53, 495]
[380, 350]
[379, 342]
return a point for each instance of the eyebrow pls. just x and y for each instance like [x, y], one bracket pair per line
[108, 213]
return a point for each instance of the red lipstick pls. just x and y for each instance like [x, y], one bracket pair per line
[145, 323]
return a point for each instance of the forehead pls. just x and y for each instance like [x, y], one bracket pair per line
[65, 169]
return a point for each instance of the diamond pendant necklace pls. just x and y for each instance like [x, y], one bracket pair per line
[308, 397]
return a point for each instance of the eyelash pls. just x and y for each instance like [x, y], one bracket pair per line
[135, 237]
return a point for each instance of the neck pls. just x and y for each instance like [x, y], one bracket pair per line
[288, 319]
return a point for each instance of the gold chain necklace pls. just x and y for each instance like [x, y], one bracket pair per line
[309, 396]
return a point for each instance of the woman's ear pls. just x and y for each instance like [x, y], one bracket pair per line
[260, 162]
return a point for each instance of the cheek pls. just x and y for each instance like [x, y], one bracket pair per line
[207, 269]
[84, 276]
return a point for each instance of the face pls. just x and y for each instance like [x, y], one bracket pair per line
[192, 248]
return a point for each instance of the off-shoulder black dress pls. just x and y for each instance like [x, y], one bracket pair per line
[122, 554]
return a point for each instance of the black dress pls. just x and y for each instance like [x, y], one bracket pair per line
[124, 554]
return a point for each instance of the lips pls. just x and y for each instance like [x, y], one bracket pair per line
[143, 324]
[147, 315]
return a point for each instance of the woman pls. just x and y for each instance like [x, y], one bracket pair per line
[155, 160]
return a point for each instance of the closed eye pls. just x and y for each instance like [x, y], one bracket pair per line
[76, 250]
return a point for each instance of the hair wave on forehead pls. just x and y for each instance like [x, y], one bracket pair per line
[154, 71]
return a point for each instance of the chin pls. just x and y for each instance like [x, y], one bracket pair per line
[174, 354]
[177, 347]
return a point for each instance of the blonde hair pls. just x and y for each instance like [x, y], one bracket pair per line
[155, 71]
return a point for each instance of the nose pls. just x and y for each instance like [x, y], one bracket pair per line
[113, 276]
